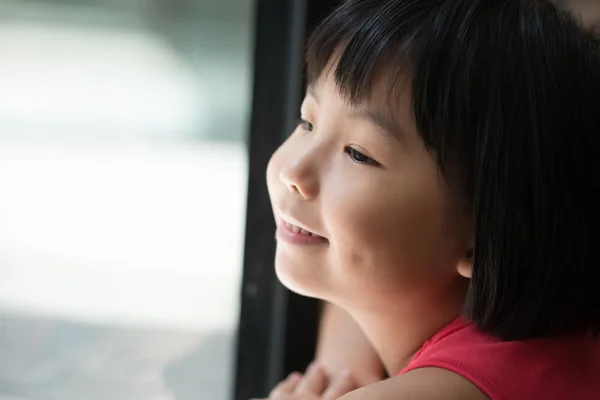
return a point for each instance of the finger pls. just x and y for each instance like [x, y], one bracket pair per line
[315, 380]
[286, 386]
[342, 384]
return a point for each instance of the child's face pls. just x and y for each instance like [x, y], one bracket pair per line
[392, 229]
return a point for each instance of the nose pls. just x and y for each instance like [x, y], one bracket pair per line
[300, 176]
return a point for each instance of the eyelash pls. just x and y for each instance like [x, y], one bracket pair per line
[359, 157]
[304, 124]
[354, 154]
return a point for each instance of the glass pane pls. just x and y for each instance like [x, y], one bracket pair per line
[123, 187]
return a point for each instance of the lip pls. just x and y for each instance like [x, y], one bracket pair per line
[286, 234]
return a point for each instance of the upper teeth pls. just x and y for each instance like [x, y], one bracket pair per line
[297, 229]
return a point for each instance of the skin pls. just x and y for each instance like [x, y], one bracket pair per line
[587, 12]
[417, 385]
[314, 385]
[338, 330]
[364, 363]
[396, 255]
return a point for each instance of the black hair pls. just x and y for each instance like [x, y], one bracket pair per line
[506, 97]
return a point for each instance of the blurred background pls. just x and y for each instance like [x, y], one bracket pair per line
[123, 176]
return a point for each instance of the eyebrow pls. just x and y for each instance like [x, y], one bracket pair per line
[386, 122]
[312, 92]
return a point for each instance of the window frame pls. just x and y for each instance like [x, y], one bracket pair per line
[270, 343]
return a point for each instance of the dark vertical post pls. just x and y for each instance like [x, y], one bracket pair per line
[277, 329]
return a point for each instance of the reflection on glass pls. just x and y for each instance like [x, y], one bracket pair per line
[123, 174]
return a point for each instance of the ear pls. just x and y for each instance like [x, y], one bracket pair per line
[586, 13]
[465, 265]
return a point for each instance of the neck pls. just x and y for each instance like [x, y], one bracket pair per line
[398, 333]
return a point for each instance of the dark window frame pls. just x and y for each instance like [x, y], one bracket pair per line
[277, 328]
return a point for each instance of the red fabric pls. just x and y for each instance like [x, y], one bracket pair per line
[560, 368]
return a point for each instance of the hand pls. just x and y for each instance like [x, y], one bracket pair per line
[314, 385]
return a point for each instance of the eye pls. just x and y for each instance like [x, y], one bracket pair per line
[304, 124]
[359, 157]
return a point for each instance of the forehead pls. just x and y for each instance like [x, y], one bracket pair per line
[386, 104]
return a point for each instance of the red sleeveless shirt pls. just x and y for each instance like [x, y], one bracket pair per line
[559, 368]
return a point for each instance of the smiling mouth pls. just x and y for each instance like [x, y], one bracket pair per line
[299, 232]
[296, 229]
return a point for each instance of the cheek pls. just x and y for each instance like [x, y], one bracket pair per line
[388, 236]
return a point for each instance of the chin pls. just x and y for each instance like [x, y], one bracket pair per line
[298, 278]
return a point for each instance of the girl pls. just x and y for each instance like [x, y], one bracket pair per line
[441, 189]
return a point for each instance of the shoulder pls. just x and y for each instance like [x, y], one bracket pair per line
[421, 384]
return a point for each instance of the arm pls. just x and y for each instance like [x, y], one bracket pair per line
[338, 332]
[420, 384]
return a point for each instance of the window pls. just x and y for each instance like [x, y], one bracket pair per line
[123, 175]
[277, 331]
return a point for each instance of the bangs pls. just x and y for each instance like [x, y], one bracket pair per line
[368, 45]
[505, 96]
